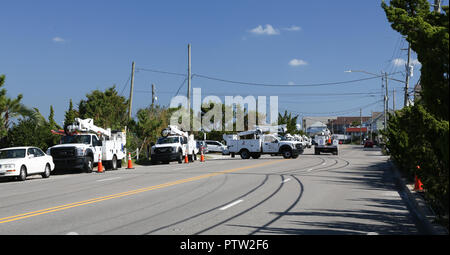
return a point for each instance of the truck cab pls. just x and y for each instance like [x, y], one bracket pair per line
[76, 151]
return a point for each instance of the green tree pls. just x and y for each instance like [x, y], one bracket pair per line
[427, 33]
[10, 109]
[290, 121]
[32, 131]
[419, 135]
[70, 115]
[107, 109]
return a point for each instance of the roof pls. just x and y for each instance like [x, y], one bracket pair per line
[318, 124]
[349, 120]
[19, 147]
[355, 129]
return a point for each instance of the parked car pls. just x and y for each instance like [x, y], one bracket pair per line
[215, 146]
[202, 145]
[368, 144]
[21, 162]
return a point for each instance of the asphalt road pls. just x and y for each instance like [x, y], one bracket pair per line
[352, 193]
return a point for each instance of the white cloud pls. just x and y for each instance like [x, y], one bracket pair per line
[398, 62]
[292, 28]
[268, 30]
[402, 62]
[297, 62]
[58, 39]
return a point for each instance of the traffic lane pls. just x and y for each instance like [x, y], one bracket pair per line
[186, 212]
[340, 196]
[60, 188]
[358, 198]
[144, 177]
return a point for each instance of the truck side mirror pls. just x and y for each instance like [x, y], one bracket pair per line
[99, 143]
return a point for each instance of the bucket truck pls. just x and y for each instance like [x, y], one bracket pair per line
[173, 145]
[84, 143]
[254, 143]
[326, 143]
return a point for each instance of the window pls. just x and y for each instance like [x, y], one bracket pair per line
[269, 139]
[38, 152]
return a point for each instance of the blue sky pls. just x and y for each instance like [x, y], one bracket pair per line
[53, 51]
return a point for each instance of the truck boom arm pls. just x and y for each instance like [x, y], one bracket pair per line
[87, 125]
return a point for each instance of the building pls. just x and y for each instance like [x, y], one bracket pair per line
[308, 121]
[340, 124]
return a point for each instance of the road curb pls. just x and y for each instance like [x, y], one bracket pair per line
[420, 210]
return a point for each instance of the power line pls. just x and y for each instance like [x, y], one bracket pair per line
[282, 85]
[280, 94]
[336, 112]
[255, 83]
[159, 71]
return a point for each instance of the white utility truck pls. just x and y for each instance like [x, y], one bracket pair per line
[254, 143]
[173, 145]
[326, 143]
[84, 143]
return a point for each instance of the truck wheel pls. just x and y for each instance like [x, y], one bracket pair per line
[114, 163]
[180, 157]
[316, 152]
[287, 154]
[88, 166]
[335, 152]
[245, 154]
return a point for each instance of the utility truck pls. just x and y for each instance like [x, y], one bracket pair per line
[326, 143]
[254, 143]
[83, 144]
[173, 145]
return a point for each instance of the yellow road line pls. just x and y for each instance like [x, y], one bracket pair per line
[127, 193]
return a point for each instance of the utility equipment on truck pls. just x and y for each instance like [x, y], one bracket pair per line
[173, 145]
[326, 143]
[83, 144]
[254, 143]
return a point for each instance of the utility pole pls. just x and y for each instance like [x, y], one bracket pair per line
[189, 84]
[153, 95]
[393, 100]
[408, 74]
[386, 100]
[360, 125]
[131, 91]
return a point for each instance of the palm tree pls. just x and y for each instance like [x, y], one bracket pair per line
[12, 109]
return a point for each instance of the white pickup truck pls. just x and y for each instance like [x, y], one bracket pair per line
[259, 144]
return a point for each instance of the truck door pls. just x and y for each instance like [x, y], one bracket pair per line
[97, 145]
[270, 144]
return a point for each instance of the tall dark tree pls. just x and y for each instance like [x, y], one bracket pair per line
[106, 108]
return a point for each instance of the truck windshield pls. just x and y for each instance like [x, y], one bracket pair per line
[76, 139]
[163, 140]
[16, 153]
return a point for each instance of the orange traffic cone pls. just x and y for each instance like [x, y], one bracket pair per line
[202, 157]
[130, 164]
[99, 165]
[186, 160]
[418, 185]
